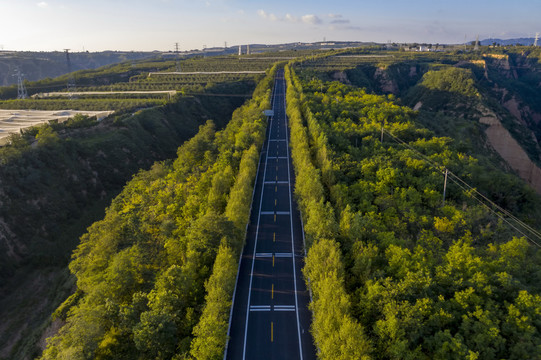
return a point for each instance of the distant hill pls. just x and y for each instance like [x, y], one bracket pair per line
[521, 41]
[40, 65]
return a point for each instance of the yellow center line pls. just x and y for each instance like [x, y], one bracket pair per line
[272, 330]
[275, 188]
[275, 202]
[274, 217]
[273, 237]
[272, 292]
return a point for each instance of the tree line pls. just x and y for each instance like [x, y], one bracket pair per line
[155, 277]
[394, 272]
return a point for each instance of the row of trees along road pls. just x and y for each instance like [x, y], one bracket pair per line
[394, 273]
[155, 277]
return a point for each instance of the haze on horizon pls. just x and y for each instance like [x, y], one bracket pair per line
[146, 25]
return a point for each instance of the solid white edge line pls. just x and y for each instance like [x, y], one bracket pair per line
[257, 232]
[291, 223]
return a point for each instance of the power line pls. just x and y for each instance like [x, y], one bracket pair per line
[471, 191]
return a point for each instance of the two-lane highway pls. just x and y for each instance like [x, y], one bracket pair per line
[270, 317]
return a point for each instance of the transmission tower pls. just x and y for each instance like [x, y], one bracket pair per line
[476, 47]
[21, 89]
[536, 39]
[71, 79]
[240, 50]
[178, 57]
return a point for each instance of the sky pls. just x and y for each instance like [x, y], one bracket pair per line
[146, 25]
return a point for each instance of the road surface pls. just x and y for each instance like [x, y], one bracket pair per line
[270, 318]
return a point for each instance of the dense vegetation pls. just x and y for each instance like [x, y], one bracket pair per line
[58, 178]
[155, 277]
[394, 273]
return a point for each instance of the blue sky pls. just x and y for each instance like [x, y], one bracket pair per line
[96, 25]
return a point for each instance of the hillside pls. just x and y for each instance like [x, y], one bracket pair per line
[508, 42]
[155, 277]
[486, 100]
[39, 65]
[395, 272]
[57, 180]
[418, 176]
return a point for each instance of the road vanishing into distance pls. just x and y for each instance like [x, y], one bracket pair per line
[270, 316]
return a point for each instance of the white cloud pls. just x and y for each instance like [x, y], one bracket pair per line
[335, 16]
[266, 15]
[311, 19]
[42, 4]
[291, 18]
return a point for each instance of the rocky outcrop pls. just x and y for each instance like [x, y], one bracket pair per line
[502, 63]
[522, 113]
[387, 85]
[509, 149]
[341, 76]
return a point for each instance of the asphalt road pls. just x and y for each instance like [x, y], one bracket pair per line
[270, 318]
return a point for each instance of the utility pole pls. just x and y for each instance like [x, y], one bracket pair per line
[240, 50]
[476, 47]
[71, 79]
[177, 64]
[445, 186]
[21, 89]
